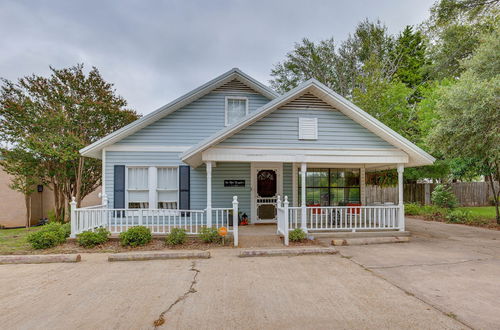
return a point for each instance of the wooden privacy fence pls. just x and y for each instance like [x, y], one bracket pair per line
[468, 193]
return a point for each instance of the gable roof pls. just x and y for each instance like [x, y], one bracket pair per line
[416, 155]
[94, 149]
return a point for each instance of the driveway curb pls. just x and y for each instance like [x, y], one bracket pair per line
[39, 259]
[372, 240]
[158, 256]
[286, 252]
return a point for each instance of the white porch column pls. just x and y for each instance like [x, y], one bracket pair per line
[303, 217]
[401, 216]
[362, 185]
[209, 193]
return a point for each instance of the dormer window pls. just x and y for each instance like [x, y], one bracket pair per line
[236, 108]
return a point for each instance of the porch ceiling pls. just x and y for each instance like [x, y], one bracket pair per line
[373, 158]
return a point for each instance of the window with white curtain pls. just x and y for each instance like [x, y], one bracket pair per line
[167, 187]
[138, 187]
[236, 108]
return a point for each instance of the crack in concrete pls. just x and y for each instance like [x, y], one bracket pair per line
[409, 293]
[433, 264]
[161, 319]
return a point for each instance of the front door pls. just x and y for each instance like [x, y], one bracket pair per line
[267, 187]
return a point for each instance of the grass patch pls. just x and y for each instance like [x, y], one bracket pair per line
[487, 212]
[479, 216]
[13, 240]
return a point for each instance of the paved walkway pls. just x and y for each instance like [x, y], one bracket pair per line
[254, 236]
[452, 267]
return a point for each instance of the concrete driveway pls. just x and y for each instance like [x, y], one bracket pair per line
[451, 267]
[225, 292]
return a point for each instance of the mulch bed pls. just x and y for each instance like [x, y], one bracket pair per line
[113, 246]
[306, 242]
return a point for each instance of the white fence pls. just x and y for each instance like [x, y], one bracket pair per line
[338, 218]
[159, 221]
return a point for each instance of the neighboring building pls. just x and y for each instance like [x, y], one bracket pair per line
[233, 136]
[13, 208]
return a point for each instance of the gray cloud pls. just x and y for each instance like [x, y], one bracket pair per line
[154, 51]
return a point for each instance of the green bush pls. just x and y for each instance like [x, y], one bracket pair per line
[44, 239]
[209, 235]
[49, 235]
[135, 236]
[413, 209]
[67, 229]
[176, 237]
[90, 239]
[443, 197]
[51, 215]
[459, 216]
[297, 235]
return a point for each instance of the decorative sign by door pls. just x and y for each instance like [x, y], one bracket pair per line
[234, 183]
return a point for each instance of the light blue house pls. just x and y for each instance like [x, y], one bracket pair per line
[233, 136]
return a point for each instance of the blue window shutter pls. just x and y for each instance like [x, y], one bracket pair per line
[119, 187]
[184, 184]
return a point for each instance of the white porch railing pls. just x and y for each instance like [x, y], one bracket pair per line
[159, 221]
[338, 218]
[282, 216]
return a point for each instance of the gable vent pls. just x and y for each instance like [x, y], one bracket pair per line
[235, 86]
[308, 128]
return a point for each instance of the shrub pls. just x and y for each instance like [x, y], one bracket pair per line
[209, 235]
[90, 239]
[443, 197]
[459, 216]
[49, 235]
[413, 209]
[135, 236]
[67, 229]
[44, 239]
[177, 236]
[51, 215]
[297, 235]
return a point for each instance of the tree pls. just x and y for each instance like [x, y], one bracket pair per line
[336, 68]
[409, 54]
[469, 113]
[52, 118]
[454, 30]
[384, 99]
[25, 175]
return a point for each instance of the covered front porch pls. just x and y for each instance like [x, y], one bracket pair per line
[316, 190]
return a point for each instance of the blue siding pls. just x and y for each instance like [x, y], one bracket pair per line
[137, 159]
[287, 182]
[221, 196]
[192, 123]
[280, 129]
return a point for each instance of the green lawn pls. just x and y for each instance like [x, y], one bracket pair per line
[487, 212]
[12, 240]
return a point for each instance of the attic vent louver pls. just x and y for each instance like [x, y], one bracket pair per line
[308, 128]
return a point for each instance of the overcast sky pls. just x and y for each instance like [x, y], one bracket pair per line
[155, 51]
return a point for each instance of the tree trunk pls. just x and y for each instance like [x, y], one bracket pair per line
[27, 202]
[78, 185]
[495, 197]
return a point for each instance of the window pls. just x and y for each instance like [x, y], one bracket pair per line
[308, 128]
[331, 186]
[167, 187]
[236, 108]
[138, 187]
